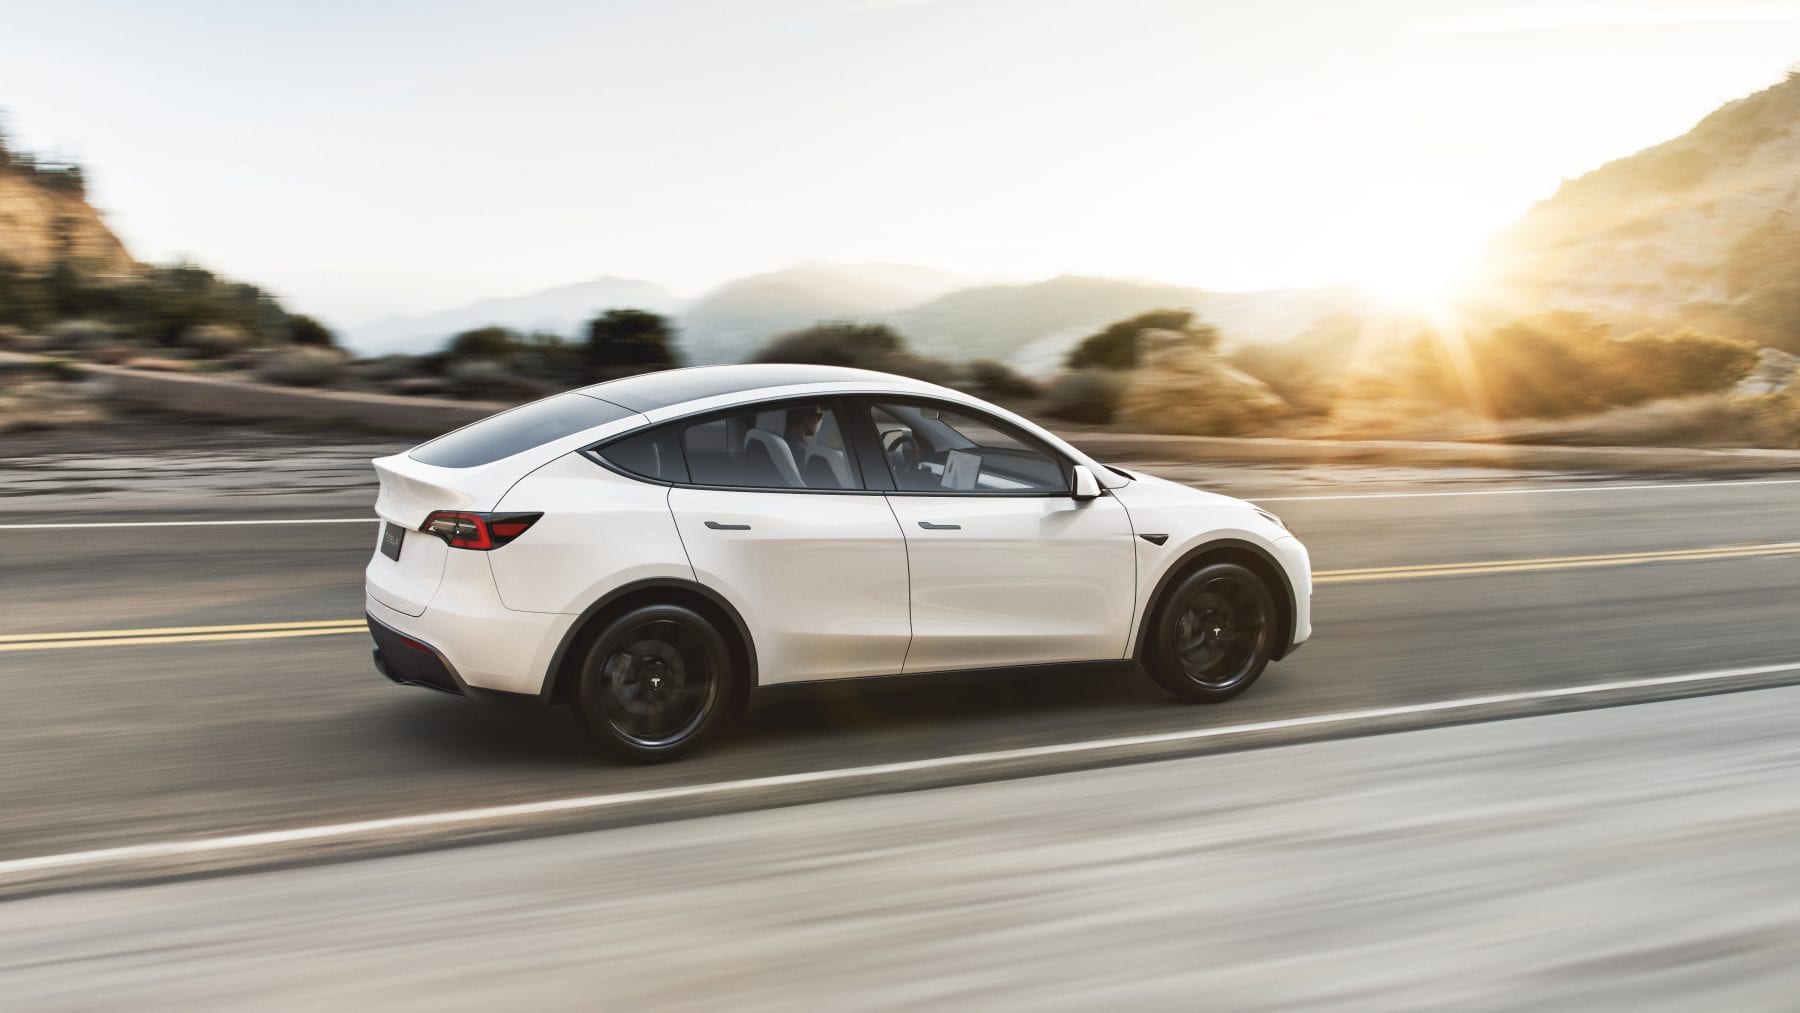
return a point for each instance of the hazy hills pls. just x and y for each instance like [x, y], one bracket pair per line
[561, 310]
[1029, 325]
[730, 321]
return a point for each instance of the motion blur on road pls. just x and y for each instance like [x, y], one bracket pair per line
[1536, 749]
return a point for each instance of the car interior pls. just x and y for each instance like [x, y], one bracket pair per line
[799, 447]
[936, 450]
[927, 448]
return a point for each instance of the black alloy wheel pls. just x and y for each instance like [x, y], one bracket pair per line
[1214, 634]
[653, 683]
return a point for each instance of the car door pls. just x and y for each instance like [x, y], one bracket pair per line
[774, 517]
[1007, 567]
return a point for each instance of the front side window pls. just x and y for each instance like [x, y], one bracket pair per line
[944, 450]
[796, 446]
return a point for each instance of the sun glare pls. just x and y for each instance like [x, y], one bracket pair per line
[1411, 282]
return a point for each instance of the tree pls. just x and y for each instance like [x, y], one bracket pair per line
[860, 346]
[837, 343]
[624, 342]
[1116, 347]
[484, 343]
[304, 330]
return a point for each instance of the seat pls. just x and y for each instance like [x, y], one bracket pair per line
[779, 453]
[827, 446]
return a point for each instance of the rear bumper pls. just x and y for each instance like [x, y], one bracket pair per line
[409, 661]
[484, 644]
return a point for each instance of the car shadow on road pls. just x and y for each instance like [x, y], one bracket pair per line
[867, 720]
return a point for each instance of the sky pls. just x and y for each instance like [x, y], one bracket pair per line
[381, 158]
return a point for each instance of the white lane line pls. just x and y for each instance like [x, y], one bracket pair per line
[588, 803]
[187, 524]
[1532, 490]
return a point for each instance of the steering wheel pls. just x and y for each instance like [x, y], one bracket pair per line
[901, 448]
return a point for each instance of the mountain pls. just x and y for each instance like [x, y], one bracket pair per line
[44, 216]
[733, 320]
[1033, 326]
[1699, 230]
[561, 310]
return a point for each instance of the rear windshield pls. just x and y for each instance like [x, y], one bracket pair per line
[519, 430]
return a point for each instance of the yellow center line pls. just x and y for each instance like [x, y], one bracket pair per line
[310, 624]
[329, 627]
[194, 638]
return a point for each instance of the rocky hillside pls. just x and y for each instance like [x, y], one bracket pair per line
[45, 216]
[1700, 230]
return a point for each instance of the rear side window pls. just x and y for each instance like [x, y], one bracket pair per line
[797, 446]
[654, 454]
[516, 431]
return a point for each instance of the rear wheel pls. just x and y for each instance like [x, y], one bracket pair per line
[654, 683]
[1214, 634]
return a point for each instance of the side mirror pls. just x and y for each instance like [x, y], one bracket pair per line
[1086, 485]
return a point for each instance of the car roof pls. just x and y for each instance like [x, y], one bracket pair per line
[651, 391]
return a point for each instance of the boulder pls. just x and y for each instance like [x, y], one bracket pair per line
[1181, 387]
[1773, 373]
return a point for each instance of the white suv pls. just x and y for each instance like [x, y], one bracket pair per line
[650, 550]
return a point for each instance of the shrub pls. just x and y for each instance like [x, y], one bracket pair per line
[1116, 347]
[548, 357]
[214, 341]
[301, 367]
[859, 346]
[626, 341]
[1687, 362]
[81, 335]
[1086, 395]
[494, 343]
[480, 377]
[304, 330]
[991, 378]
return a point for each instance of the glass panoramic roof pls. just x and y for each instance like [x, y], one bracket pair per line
[676, 386]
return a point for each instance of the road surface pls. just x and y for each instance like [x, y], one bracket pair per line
[1636, 857]
[151, 739]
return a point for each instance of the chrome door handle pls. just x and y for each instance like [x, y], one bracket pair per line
[716, 526]
[928, 526]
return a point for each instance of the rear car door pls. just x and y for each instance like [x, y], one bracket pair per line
[775, 518]
[1007, 567]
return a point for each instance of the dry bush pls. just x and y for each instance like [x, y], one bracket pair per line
[1770, 421]
[215, 341]
[995, 380]
[302, 367]
[1086, 395]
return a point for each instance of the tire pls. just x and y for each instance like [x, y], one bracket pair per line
[1213, 634]
[654, 683]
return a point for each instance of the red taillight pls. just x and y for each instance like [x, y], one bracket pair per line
[462, 530]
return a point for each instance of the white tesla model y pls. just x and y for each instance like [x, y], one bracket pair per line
[650, 551]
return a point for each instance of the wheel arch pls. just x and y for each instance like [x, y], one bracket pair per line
[1249, 555]
[652, 591]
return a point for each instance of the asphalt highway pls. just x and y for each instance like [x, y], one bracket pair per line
[1635, 857]
[156, 736]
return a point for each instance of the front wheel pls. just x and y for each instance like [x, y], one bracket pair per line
[1214, 635]
[653, 683]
